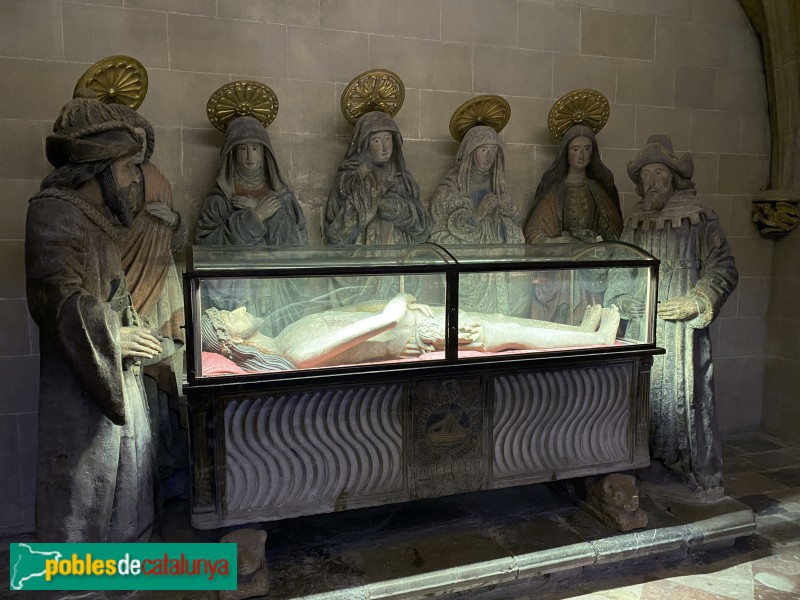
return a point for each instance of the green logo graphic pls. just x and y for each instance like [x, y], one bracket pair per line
[122, 567]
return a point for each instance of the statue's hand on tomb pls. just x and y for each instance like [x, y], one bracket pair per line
[564, 238]
[138, 342]
[631, 307]
[682, 308]
[162, 212]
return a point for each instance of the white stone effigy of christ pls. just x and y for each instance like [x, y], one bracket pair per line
[380, 331]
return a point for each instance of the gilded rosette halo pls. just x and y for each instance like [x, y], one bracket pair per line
[578, 107]
[377, 89]
[243, 98]
[116, 80]
[490, 110]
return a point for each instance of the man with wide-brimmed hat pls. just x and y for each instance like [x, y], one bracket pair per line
[95, 463]
[696, 276]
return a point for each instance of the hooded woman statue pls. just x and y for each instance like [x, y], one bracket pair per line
[251, 205]
[473, 206]
[374, 199]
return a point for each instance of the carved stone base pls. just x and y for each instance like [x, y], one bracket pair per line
[614, 501]
[660, 483]
[252, 578]
[676, 491]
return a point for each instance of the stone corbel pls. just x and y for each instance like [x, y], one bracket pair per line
[775, 213]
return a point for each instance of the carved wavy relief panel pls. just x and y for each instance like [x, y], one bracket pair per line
[550, 421]
[313, 448]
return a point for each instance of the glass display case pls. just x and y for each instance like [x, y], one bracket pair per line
[323, 378]
[258, 311]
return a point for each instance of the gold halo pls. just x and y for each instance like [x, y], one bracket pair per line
[578, 107]
[243, 98]
[116, 80]
[377, 89]
[493, 111]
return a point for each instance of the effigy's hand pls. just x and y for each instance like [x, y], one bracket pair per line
[423, 308]
[468, 331]
[244, 202]
[631, 307]
[162, 212]
[681, 308]
[138, 342]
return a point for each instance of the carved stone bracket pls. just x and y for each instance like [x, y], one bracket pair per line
[775, 213]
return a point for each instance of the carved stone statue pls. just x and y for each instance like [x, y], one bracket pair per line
[696, 276]
[96, 463]
[378, 331]
[614, 501]
[576, 199]
[146, 251]
[374, 199]
[473, 206]
[252, 205]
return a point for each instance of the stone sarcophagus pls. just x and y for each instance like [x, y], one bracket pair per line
[392, 385]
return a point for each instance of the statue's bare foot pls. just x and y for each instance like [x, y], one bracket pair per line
[591, 318]
[609, 324]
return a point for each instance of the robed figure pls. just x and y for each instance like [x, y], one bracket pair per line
[576, 201]
[146, 251]
[473, 206]
[252, 205]
[374, 201]
[696, 276]
[96, 461]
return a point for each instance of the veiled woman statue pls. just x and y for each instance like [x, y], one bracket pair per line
[576, 199]
[252, 205]
[473, 206]
[374, 199]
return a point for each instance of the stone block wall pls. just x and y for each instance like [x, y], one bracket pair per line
[782, 398]
[688, 68]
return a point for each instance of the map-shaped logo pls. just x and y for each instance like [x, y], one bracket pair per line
[27, 564]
